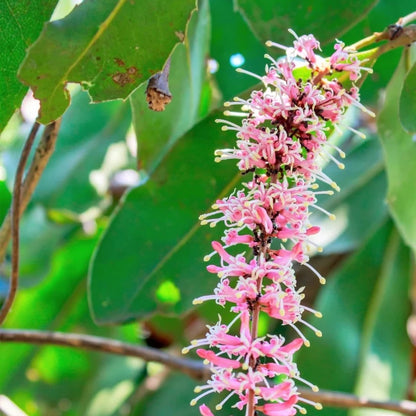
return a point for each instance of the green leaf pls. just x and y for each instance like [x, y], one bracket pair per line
[108, 46]
[40, 239]
[21, 23]
[359, 328]
[385, 352]
[407, 107]
[171, 399]
[5, 200]
[231, 36]
[113, 384]
[270, 20]
[400, 155]
[84, 137]
[157, 131]
[359, 207]
[155, 234]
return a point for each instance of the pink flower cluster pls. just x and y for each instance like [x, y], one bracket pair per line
[279, 141]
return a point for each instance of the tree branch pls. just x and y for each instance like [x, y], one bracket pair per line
[193, 368]
[14, 220]
[21, 197]
[44, 151]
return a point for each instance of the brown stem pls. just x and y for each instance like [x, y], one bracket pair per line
[254, 332]
[43, 152]
[15, 217]
[403, 21]
[395, 35]
[193, 368]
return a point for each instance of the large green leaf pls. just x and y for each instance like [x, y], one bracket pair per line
[155, 238]
[359, 206]
[408, 101]
[155, 131]
[20, 22]
[400, 155]
[385, 361]
[359, 329]
[110, 47]
[271, 19]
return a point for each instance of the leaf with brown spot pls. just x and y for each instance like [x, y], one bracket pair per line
[93, 45]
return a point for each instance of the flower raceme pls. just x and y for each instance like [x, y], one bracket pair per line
[280, 139]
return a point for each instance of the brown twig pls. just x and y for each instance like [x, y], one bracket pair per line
[43, 152]
[338, 399]
[193, 368]
[15, 217]
[8, 408]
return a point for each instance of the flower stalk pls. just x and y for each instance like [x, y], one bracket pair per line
[281, 139]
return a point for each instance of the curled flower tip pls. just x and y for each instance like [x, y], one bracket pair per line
[204, 410]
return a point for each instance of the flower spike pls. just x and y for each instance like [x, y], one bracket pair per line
[281, 132]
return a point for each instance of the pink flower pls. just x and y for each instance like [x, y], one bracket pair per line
[279, 141]
[204, 410]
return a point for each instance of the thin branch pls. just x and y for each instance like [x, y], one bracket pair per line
[193, 368]
[8, 408]
[43, 152]
[338, 399]
[15, 217]
[396, 34]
